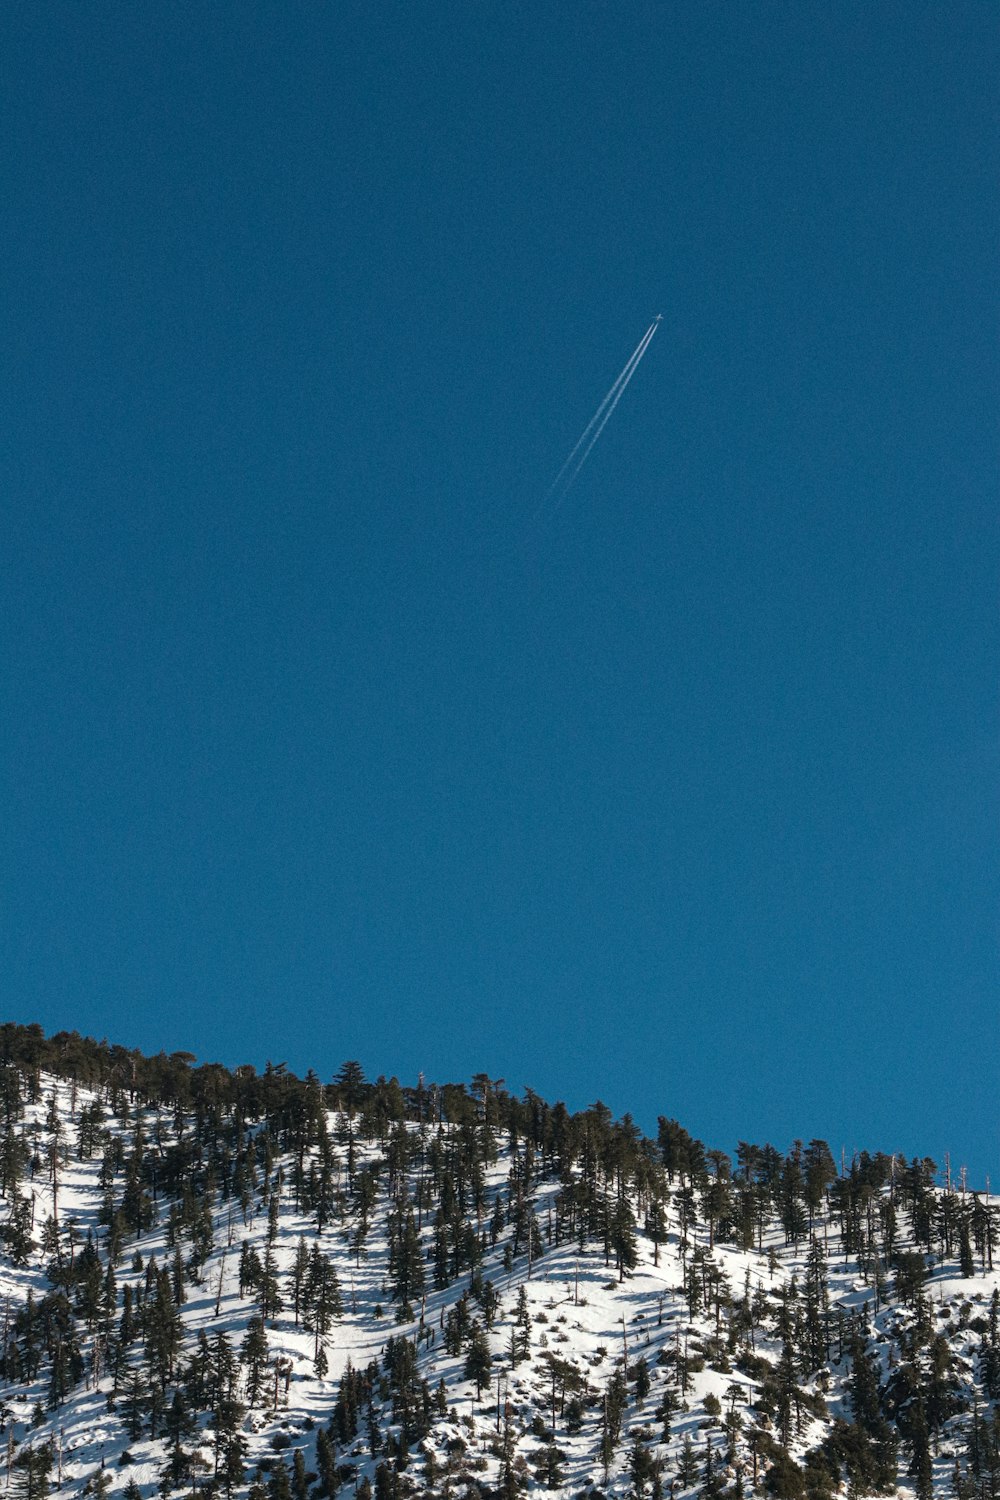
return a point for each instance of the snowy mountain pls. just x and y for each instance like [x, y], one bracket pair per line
[251, 1284]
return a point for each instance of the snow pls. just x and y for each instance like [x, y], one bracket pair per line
[580, 1313]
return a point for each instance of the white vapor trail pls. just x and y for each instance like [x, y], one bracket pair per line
[600, 419]
[607, 415]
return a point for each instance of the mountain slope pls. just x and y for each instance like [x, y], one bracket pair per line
[239, 1283]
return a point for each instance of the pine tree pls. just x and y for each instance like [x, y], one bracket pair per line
[321, 1302]
[622, 1237]
[406, 1268]
[134, 1398]
[921, 1467]
[350, 1087]
[17, 1230]
[815, 1311]
[326, 1463]
[278, 1486]
[656, 1226]
[250, 1268]
[478, 1358]
[549, 1469]
[231, 1471]
[178, 1426]
[641, 1467]
[254, 1353]
[989, 1351]
[300, 1481]
[32, 1468]
[669, 1406]
[162, 1325]
[299, 1269]
[687, 1468]
[268, 1294]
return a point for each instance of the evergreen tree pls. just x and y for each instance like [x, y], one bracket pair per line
[687, 1468]
[921, 1467]
[326, 1463]
[641, 1467]
[17, 1230]
[254, 1354]
[478, 1358]
[178, 1425]
[669, 1406]
[549, 1468]
[299, 1269]
[406, 1268]
[268, 1294]
[622, 1237]
[134, 1400]
[989, 1351]
[300, 1480]
[278, 1486]
[31, 1471]
[321, 1298]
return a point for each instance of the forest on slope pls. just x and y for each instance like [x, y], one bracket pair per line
[241, 1283]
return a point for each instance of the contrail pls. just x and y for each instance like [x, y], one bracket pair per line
[607, 415]
[631, 363]
[599, 419]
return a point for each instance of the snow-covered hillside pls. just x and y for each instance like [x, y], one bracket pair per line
[230, 1283]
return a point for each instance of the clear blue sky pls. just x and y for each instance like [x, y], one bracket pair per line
[313, 747]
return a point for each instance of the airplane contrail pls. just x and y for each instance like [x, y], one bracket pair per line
[607, 415]
[600, 418]
[630, 364]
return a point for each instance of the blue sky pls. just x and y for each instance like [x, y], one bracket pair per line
[314, 746]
